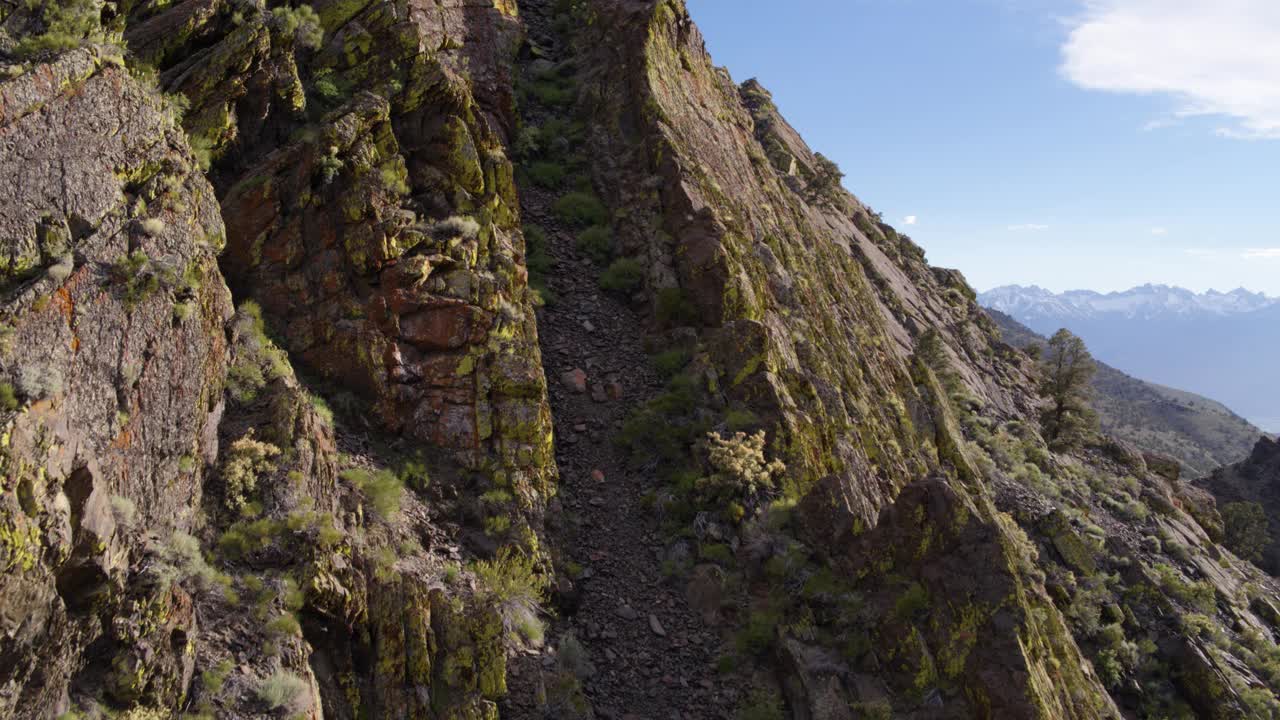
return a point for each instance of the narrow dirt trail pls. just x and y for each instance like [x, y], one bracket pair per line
[654, 658]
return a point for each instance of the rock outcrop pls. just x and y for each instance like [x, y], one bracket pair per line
[1256, 479]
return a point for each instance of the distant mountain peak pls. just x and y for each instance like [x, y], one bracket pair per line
[1149, 300]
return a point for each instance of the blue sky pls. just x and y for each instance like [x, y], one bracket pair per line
[1095, 144]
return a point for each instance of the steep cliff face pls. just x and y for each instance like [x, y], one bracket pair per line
[835, 503]
[357, 151]
[115, 359]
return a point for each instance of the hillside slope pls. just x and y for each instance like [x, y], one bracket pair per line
[1219, 345]
[1198, 432]
[449, 361]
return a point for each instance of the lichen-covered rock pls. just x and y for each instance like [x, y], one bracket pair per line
[371, 210]
[113, 312]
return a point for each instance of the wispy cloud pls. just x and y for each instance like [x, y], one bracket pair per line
[1261, 254]
[1219, 58]
[1028, 227]
[1159, 231]
[1200, 252]
[910, 220]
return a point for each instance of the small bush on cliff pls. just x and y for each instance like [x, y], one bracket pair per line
[761, 704]
[457, 226]
[37, 382]
[135, 273]
[581, 210]
[301, 24]
[382, 487]
[597, 243]
[513, 583]
[1245, 530]
[247, 460]
[66, 24]
[8, 399]
[624, 275]
[547, 174]
[673, 309]
[824, 186]
[283, 689]
[740, 468]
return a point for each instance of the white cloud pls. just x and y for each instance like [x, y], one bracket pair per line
[1028, 227]
[910, 219]
[1213, 57]
[1261, 253]
[1159, 231]
[1200, 252]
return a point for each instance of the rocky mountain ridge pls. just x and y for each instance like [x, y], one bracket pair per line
[287, 285]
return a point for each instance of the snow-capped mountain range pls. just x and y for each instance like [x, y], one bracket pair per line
[1220, 345]
[1147, 301]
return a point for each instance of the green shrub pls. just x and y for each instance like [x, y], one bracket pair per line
[1199, 595]
[67, 24]
[670, 362]
[547, 174]
[665, 427]
[552, 92]
[247, 459]
[8, 400]
[624, 275]
[214, 678]
[301, 24]
[741, 470]
[321, 408]
[911, 602]
[762, 704]
[413, 472]
[139, 278]
[873, 710]
[597, 243]
[1245, 529]
[456, 226]
[282, 689]
[284, 625]
[581, 210]
[673, 309]
[758, 634]
[512, 582]
[383, 488]
[123, 511]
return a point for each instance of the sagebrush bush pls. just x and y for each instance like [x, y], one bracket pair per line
[740, 467]
[247, 459]
[512, 581]
[673, 309]
[596, 242]
[581, 210]
[283, 689]
[301, 24]
[547, 174]
[382, 487]
[456, 226]
[123, 511]
[67, 24]
[623, 275]
[8, 398]
[37, 382]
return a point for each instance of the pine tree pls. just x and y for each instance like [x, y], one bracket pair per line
[1066, 369]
